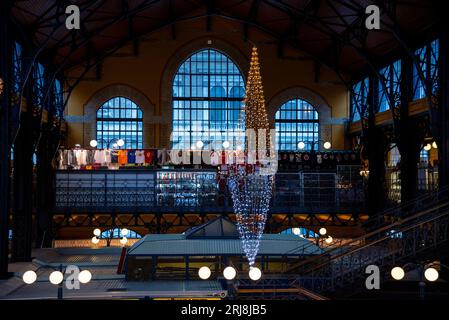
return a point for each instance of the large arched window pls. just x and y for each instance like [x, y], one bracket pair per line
[120, 118]
[296, 121]
[208, 91]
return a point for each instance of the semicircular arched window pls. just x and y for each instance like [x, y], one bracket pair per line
[208, 92]
[296, 121]
[120, 118]
[116, 233]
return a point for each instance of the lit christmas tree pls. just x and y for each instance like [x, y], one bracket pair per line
[250, 190]
[256, 117]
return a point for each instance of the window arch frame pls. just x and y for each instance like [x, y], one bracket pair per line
[229, 102]
[298, 133]
[102, 141]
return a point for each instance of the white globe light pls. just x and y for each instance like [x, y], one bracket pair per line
[125, 232]
[226, 144]
[322, 231]
[397, 273]
[329, 240]
[29, 277]
[120, 142]
[427, 147]
[85, 276]
[124, 240]
[193, 147]
[296, 231]
[114, 145]
[255, 273]
[301, 145]
[229, 273]
[204, 273]
[434, 145]
[56, 277]
[327, 145]
[431, 274]
[97, 232]
[95, 240]
[239, 148]
[93, 143]
[199, 144]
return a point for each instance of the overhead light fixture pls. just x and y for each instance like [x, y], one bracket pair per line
[125, 232]
[226, 144]
[229, 273]
[431, 274]
[120, 142]
[85, 276]
[301, 145]
[56, 277]
[327, 145]
[255, 273]
[397, 273]
[204, 273]
[29, 277]
[123, 240]
[329, 240]
[296, 231]
[95, 240]
[199, 144]
[427, 147]
[364, 173]
[97, 232]
[93, 143]
[434, 145]
[322, 231]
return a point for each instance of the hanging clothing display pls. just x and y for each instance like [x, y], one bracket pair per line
[122, 157]
[114, 156]
[149, 156]
[131, 156]
[140, 157]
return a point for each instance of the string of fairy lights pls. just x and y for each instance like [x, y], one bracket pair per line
[251, 190]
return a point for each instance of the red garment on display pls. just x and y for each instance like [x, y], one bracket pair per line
[149, 156]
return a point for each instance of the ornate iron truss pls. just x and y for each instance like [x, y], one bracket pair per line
[176, 222]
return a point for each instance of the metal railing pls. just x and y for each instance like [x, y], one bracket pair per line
[421, 205]
[343, 268]
[165, 190]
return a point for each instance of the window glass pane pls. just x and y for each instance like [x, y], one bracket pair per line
[119, 118]
[296, 121]
[208, 92]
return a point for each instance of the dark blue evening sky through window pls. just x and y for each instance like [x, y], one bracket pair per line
[120, 118]
[208, 91]
[296, 121]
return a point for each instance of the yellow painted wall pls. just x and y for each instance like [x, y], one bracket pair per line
[145, 73]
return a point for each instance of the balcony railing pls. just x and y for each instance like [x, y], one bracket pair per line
[176, 190]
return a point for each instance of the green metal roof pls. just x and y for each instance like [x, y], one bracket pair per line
[178, 245]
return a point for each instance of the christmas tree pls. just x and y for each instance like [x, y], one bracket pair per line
[256, 117]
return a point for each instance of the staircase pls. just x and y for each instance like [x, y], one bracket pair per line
[414, 230]
[340, 271]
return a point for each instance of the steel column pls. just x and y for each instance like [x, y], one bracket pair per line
[444, 107]
[45, 190]
[5, 75]
[23, 190]
[376, 145]
[408, 141]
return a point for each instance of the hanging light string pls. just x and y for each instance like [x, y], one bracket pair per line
[250, 190]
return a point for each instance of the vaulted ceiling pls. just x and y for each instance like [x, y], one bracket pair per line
[332, 32]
